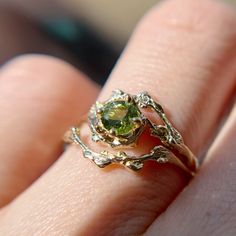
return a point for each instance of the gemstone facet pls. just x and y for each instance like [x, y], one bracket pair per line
[119, 116]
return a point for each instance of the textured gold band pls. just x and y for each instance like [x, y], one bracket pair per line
[119, 122]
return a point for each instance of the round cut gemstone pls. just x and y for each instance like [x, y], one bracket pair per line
[119, 116]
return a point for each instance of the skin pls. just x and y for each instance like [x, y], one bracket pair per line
[183, 53]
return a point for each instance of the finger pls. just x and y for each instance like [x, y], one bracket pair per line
[163, 58]
[39, 98]
[211, 195]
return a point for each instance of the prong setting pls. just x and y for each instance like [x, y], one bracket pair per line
[122, 106]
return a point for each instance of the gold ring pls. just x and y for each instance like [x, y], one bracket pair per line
[119, 122]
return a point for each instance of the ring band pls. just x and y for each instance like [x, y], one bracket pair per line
[119, 122]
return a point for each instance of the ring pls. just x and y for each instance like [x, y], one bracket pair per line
[119, 122]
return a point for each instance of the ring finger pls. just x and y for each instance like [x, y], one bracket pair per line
[176, 54]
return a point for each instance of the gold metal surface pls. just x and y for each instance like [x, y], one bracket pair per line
[173, 150]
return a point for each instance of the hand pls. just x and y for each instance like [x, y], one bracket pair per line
[184, 53]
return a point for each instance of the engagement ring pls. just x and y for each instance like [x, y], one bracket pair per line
[120, 121]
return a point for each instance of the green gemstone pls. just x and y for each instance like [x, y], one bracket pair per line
[118, 115]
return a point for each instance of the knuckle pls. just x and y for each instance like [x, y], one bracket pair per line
[28, 60]
[41, 71]
[43, 77]
[31, 64]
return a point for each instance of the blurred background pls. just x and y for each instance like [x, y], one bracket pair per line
[86, 33]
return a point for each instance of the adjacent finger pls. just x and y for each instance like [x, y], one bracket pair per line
[39, 98]
[208, 205]
[185, 60]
